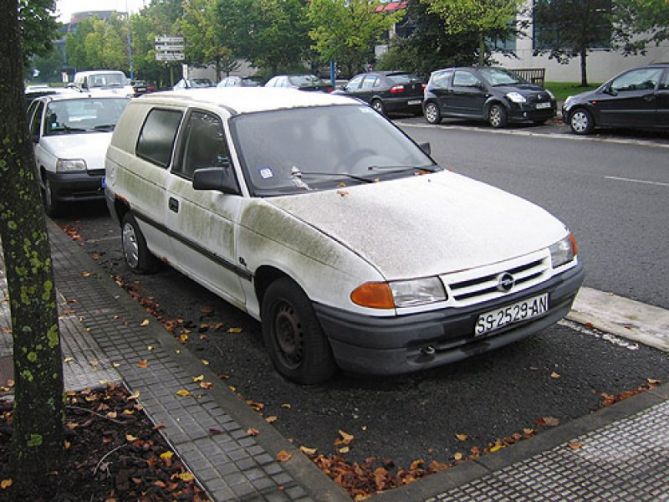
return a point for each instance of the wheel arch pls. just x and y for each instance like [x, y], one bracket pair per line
[494, 100]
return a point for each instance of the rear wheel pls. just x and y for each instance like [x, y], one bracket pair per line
[293, 336]
[497, 116]
[136, 253]
[377, 105]
[432, 113]
[581, 122]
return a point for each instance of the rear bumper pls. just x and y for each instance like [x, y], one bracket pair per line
[75, 187]
[402, 104]
[402, 344]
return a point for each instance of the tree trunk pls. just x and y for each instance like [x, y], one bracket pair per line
[482, 49]
[218, 69]
[37, 439]
[584, 73]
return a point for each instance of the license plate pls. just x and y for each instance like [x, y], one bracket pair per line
[541, 106]
[414, 101]
[516, 312]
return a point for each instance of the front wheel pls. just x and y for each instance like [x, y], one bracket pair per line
[581, 122]
[136, 253]
[293, 336]
[432, 113]
[497, 116]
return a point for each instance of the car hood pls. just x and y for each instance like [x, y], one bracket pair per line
[427, 225]
[582, 97]
[88, 146]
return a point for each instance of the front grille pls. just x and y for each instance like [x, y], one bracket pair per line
[486, 287]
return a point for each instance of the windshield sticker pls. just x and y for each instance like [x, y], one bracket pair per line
[265, 172]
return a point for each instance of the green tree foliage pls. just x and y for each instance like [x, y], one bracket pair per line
[37, 437]
[205, 40]
[38, 26]
[346, 30]
[482, 18]
[271, 34]
[429, 46]
[99, 44]
[638, 23]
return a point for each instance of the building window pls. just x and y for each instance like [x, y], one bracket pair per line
[551, 17]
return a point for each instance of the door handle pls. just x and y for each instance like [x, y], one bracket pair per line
[173, 204]
[649, 98]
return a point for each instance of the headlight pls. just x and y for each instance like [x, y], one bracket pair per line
[550, 94]
[70, 165]
[388, 295]
[563, 251]
[516, 97]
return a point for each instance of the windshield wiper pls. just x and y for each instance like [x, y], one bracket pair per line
[295, 172]
[66, 129]
[403, 168]
[105, 127]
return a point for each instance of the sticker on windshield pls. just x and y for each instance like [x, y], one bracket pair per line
[265, 172]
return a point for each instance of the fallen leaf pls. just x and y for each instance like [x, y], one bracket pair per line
[167, 455]
[344, 449]
[86, 274]
[528, 432]
[183, 393]
[112, 414]
[232, 388]
[462, 437]
[71, 425]
[652, 381]
[308, 451]
[549, 421]
[234, 330]
[67, 445]
[346, 438]
[137, 481]
[555, 375]
[255, 405]
[115, 364]
[130, 438]
[205, 362]
[68, 359]
[496, 447]
[186, 476]
[271, 419]
[574, 444]
[286, 405]
[436, 466]
[133, 396]
[159, 484]
[6, 483]
[206, 385]
[145, 323]
[252, 431]
[283, 456]
[458, 456]
[143, 363]
[198, 378]
[150, 348]
[183, 338]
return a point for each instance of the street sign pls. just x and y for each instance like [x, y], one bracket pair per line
[169, 48]
[169, 56]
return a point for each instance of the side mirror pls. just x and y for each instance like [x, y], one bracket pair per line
[610, 90]
[427, 149]
[215, 178]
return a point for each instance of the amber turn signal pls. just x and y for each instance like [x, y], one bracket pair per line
[375, 295]
[574, 244]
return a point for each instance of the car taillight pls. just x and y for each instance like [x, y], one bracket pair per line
[397, 89]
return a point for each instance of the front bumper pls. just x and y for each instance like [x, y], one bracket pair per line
[402, 344]
[75, 187]
[522, 113]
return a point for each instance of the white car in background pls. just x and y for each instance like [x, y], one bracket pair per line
[71, 132]
[322, 219]
[108, 81]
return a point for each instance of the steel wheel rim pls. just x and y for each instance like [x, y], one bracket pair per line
[495, 116]
[130, 246]
[579, 121]
[378, 106]
[431, 113]
[289, 335]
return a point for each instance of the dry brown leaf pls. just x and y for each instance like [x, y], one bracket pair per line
[130, 438]
[344, 449]
[234, 330]
[271, 419]
[462, 437]
[555, 375]
[206, 385]
[145, 323]
[283, 456]
[6, 483]
[308, 451]
[346, 438]
[143, 363]
[575, 444]
[167, 455]
[286, 406]
[183, 393]
[252, 431]
[183, 337]
[652, 381]
[186, 476]
[458, 456]
[549, 421]
[86, 274]
[198, 378]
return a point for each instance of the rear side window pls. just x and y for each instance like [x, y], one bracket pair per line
[156, 139]
[440, 80]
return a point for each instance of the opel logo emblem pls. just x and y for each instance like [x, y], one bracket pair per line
[505, 282]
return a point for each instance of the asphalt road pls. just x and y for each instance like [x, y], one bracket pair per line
[560, 373]
[612, 190]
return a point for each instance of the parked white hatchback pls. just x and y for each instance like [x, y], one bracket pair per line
[319, 217]
[71, 132]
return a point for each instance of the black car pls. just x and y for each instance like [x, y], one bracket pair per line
[492, 94]
[301, 82]
[387, 91]
[635, 98]
[235, 81]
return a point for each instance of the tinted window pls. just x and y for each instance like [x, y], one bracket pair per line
[440, 80]
[204, 145]
[495, 76]
[156, 139]
[355, 82]
[369, 81]
[465, 79]
[637, 80]
[403, 78]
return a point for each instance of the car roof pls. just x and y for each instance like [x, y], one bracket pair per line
[74, 94]
[240, 100]
[98, 72]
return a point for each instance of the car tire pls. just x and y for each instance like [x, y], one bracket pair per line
[52, 207]
[539, 122]
[581, 122]
[137, 255]
[432, 113]
[377, 105]
[497, 116]
[293, 336]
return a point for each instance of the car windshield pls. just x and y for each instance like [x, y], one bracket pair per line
[106, 80]
[305, 80]
[83, 115]
[291, 151]
[497, 77]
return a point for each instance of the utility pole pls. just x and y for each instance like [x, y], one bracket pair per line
[131, 65]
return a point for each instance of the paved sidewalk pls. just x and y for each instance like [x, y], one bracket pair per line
[622, 453]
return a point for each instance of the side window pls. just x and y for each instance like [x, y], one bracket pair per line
[369, 81]
[204, 145]
[37, 120]
[637, 80]
[440, 80]
[465, 79]
[664, 85]
[156, 139]
[354, 83]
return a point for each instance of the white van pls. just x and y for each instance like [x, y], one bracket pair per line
[113, 81]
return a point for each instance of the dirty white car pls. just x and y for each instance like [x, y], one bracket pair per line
[71, 132]
[320, 218]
